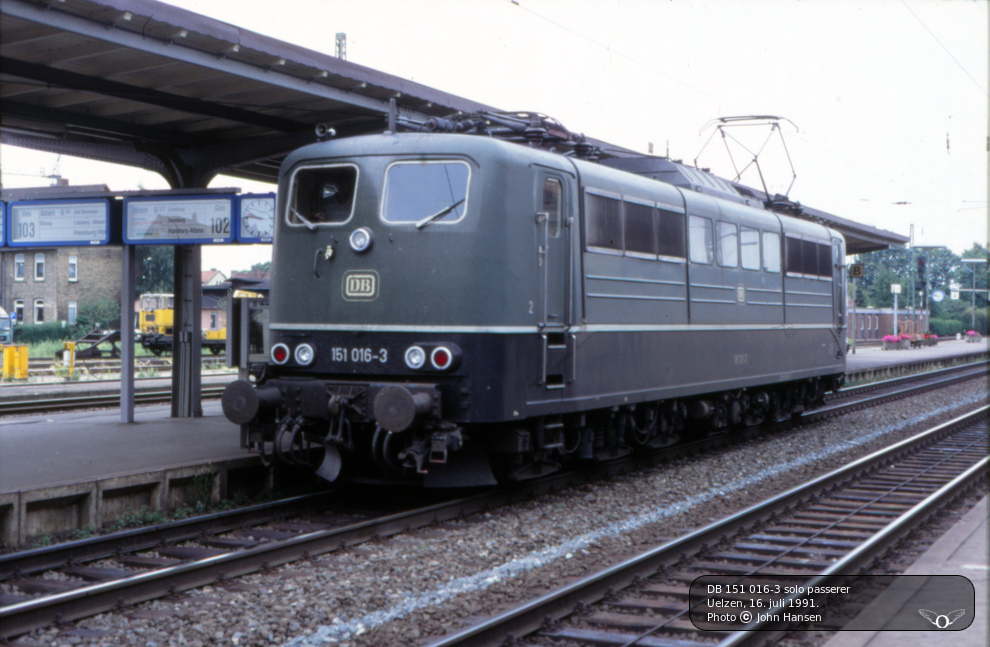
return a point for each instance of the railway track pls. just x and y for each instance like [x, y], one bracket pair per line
[835, 524]
[112, 366]
[232, 544]
[95, 401]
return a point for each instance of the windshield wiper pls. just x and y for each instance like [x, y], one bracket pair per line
[305, 221]
[440, 214]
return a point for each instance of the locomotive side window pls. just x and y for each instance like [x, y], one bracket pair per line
[604, 221]
[425, 193]
[322, 195]
[824, 261]
[671, 243]
[552, 205]
[792, 251]
[640, 237]
[728, 245]
[809, 257]
[771, 251]
[700, 240]
[749, 248]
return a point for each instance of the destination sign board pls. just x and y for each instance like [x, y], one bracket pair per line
[256, 217]
[179, 220]
[58, 223]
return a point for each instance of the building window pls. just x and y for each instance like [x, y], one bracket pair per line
[73, 313]
[39, 311]
[214, 321]
[19, 309]
[39, 267]
[19, 267]
[73, 267]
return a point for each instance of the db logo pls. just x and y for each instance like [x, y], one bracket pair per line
[361, 285]
[944, 620]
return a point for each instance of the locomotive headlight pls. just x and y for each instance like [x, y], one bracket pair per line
[361, 239]
[304, 354]
[441, 358]
[280, 354]
[415, 357]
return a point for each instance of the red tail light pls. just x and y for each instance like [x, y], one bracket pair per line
[280, 353]
[441, 358]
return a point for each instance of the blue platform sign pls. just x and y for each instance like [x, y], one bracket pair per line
[180, 220]
[256, 217]
[3, 224]
[35, 223]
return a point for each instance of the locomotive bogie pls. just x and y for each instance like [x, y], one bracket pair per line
[461, 309]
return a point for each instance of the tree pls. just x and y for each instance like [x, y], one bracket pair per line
[155, 268]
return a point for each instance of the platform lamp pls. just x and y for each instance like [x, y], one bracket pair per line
[973, 291]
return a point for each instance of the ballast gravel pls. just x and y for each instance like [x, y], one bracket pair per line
[420, 585]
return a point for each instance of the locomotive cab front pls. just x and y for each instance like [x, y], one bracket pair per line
[408, 277]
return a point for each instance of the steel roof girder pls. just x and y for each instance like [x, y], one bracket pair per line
[106, 32]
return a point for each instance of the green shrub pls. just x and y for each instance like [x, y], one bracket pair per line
[946, 327]
[104, 314]
[30, 334]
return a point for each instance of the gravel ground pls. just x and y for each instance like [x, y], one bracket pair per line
[417, 586]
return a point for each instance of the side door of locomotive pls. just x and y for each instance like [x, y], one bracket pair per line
[555, 201]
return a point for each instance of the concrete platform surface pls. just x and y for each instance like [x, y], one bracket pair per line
[872, 357]
[961, 551]
[81, 446]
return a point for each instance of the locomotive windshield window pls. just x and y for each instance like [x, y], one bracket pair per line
[700, 239]
[640, 237]
[728, 245]
[771, 251]
[604, 221]
[322, 195]
[749, 248]
[671, 240]
[425, 193]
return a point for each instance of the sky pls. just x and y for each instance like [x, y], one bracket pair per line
[884, 102]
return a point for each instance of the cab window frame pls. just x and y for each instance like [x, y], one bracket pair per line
[293, 221]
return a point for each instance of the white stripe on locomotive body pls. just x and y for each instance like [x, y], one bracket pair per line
[527, 330]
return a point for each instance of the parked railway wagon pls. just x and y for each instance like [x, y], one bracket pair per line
[155, 326]
[466, 310]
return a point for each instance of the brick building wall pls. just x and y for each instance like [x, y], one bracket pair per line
[72, 276]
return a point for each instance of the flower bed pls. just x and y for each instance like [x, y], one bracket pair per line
[973, 336]
[896, 342]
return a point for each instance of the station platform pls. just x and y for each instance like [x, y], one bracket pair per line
[961, 551]
[69, 448]
[874, 357]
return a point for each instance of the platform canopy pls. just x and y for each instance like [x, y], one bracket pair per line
[150, 85]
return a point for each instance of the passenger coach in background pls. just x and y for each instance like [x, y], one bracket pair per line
[467, 310]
